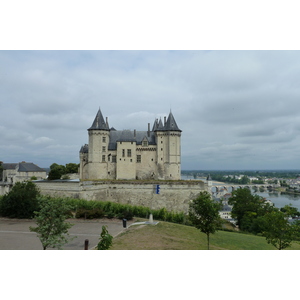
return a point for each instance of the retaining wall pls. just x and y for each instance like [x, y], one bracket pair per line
[173, 196]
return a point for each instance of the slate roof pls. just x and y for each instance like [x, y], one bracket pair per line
[128, 136]
[84, 149]
[131, 136]
[9, 166]
[23, 167]
[171, 124]
[29, 167]
[99, 123]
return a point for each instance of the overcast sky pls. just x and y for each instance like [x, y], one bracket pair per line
[236, 109]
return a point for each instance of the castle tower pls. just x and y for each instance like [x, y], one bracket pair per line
[168, 149]
[173, 163]
[98, 148]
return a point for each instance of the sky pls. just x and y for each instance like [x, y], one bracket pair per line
[236, 109]
[235, 99]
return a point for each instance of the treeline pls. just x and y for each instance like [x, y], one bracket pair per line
[244, 180]
[291, 174]
[61, 171]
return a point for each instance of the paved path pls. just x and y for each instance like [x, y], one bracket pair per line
[15, 233]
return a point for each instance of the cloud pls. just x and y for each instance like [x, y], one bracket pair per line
[232, 106]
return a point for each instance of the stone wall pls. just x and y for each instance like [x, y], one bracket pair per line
[173, 196]
[59, 188]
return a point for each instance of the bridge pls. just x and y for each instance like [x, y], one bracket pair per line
[231, 187]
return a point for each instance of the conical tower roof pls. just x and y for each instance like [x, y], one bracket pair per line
[155, 125]
[160, 126]
[171, 124]
[99, 123]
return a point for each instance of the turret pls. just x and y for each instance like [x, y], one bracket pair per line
[98, 147]
[168, 149]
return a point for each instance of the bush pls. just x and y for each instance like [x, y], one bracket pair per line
[21, 201]
[110, 215]
[95, 213]
[126, 214]
[94, 209]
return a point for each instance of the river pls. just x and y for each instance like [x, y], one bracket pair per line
[281, 200]
[277, 198]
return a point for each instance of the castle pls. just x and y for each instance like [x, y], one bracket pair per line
[129, 155]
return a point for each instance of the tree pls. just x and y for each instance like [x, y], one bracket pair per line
[246, 208]
[72, 168]
[290, 211]
[245, 180]
[105, 240]
[204, 214]
[56, 171]
[21, 201]
[1, 170]
[277, 230]
[52, 228]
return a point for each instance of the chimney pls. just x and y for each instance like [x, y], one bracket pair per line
[107, 122]
[148, 129]
[134, 132]
[165, 121]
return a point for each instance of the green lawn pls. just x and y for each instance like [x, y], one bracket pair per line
[170, 236]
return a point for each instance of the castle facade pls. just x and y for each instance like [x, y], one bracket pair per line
[129, 155]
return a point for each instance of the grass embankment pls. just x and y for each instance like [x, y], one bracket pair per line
[170, 236]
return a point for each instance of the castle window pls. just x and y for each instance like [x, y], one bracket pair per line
[145, 143]
[103, 158]
[139, 158]
[104, 139]
[123, 152]
[103, 149]
[114, 158]
[128, 152]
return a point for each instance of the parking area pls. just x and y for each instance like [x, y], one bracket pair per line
[15, 233]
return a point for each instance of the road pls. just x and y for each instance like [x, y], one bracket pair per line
[15, 233]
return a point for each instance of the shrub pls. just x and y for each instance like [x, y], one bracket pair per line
[179, 218]
[95, 213]
[105, 240]
[160, 214]
[21, 201]
[126, 214]
[110, 215]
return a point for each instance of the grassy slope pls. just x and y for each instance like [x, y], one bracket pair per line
[169, 236]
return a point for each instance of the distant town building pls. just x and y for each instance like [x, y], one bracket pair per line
[126, 154]
[17, 172]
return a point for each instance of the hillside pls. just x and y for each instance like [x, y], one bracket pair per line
[170, 236]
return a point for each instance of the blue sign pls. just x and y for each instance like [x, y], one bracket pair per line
[157, 189]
